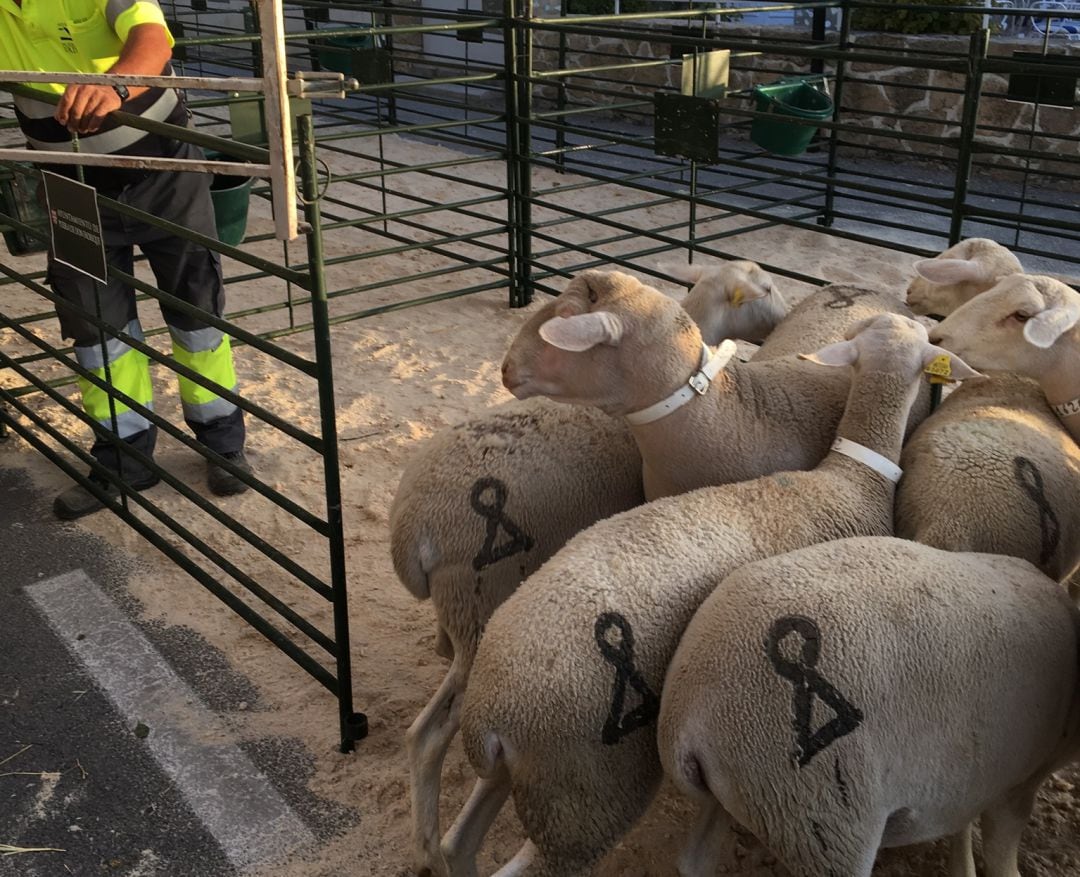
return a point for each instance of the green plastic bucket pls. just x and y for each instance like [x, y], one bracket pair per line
[231, 196]
[783, 100]
[336, 53]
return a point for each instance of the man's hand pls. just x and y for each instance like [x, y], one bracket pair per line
[83, 108]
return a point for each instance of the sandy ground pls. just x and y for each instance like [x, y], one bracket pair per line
[400, 377]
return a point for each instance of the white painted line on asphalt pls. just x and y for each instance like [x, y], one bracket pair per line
[236, 803]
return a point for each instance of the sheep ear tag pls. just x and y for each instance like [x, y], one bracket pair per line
[738, 297]
[939, 369]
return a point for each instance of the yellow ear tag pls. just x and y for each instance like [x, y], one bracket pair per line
[737, 297]
[939, 369]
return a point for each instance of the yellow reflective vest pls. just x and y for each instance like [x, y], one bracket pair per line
[75, 36]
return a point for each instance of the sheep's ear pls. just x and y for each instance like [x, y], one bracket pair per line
[950, 270]
[841, 353]
[748, 291]
[683, 271]
[942, 363]
[1047, 326]
[583, 331]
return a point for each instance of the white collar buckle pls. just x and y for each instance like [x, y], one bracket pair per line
[699, 383]
[696, 385]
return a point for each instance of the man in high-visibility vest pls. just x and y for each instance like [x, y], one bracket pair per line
[128, 36]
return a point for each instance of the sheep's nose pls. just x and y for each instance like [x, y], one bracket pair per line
[936, 335]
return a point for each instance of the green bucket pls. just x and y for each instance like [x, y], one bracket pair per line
[336, 53]
[788, 98]
[231, 196]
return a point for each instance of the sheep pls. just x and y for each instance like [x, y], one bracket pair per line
[871, 692]
[615, 343]
[484, 503]
[1027, 324]
[561, 703]
[729, 300]
[477, 511]
[824, 316]
[958, 275]
[993, 470]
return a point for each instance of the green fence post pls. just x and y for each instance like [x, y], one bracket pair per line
[980, 42]
[518, 66]
[353, 725]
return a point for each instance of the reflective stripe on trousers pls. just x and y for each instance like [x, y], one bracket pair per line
[206, 352]
[129, 373]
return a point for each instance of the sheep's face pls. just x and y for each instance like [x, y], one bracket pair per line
[956, 276]
[732, 300]
[1015, 326]
[587, 346]
[890, 343]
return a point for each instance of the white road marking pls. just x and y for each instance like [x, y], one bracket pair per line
[237, 804]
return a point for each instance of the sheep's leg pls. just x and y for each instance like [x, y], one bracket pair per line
[531, 862]
[426, 741]
[444, 646]
[961, 854]
[462, 842]
[521, 861]
[704, 846]
[1002, 825]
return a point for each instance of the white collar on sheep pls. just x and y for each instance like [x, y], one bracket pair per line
[881, 465]
[697, 385]
[1067, 409]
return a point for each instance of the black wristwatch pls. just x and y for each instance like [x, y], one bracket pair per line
[122, 92]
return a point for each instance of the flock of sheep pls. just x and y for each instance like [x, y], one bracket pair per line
[693, 569]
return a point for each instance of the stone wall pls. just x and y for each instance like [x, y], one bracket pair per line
[888, 97]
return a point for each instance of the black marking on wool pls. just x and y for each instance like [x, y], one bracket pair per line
[621, 657]
[842, 785]
[844, 299]
[493, 513]
[1030, 480]
[808, 684]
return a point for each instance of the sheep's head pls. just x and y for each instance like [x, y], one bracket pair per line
[588, 346]
[729, 299]
[1021, 325]
[957, 275]
[891, 343]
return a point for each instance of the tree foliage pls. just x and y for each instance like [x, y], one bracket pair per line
[919, 21]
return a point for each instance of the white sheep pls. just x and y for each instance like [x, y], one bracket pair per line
[824, 316]
[478, 509]
[959, 274]
[564, 691]
[613, 342]
[735, 299]
[1027, 324]
[483, 504]
[871, 692]
[993, 470]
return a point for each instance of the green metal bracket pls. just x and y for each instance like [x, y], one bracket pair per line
[687, 127]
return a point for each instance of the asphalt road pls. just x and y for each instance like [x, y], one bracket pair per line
[77, 775]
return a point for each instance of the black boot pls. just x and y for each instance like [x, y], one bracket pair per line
[221, 481]
[77, 501]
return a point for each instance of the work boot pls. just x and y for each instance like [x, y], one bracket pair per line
[77, 501]
[221, 481]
